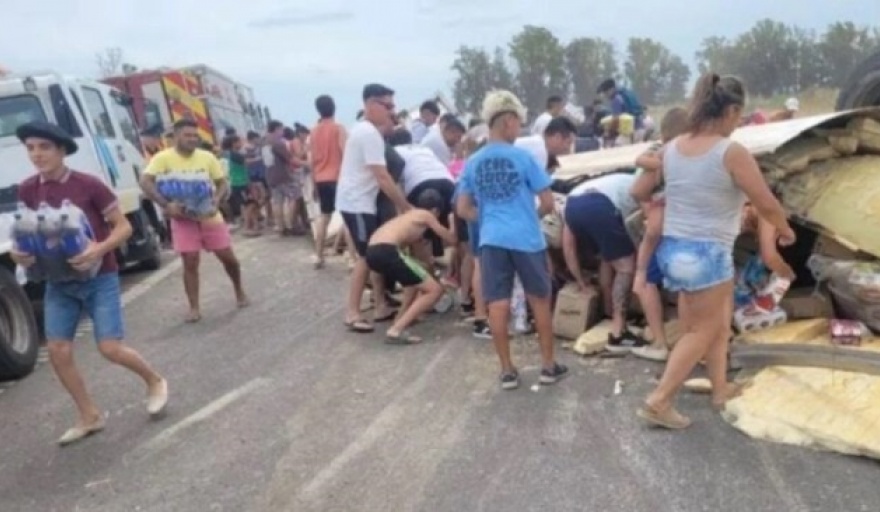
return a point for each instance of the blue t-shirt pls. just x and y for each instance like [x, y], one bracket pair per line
[504, 179]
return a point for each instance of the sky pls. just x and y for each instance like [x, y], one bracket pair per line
[290, 51]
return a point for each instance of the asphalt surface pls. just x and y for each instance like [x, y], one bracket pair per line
[277, 408]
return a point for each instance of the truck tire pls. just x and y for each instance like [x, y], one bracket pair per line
[862, 87]
[19, 335]
[154, 260]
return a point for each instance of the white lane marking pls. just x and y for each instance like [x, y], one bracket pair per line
[379, 427]
[163, 438]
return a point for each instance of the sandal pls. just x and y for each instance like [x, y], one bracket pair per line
[360, 326]
[403, 338]
[387, 318]
[668, 418]
[734, 390]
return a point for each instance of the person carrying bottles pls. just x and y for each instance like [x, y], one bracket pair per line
[189, 185]
[91, 284]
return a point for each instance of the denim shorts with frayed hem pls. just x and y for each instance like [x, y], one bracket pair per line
[100, 298]
[694, 265]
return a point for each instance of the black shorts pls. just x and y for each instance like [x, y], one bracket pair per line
[461, 230]
[446, 189]
[326, 196]
[387, 260]
[361, 226]
[238, 197]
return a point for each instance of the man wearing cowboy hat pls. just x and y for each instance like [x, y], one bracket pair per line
[98, 296]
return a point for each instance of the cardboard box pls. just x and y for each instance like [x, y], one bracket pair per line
[828, 246]
[575, 311]
[806, 303]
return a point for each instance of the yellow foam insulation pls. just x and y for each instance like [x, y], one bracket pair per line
[840, 195]
[594, 340]
[811, 407]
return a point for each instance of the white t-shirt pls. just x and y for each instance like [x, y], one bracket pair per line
[615, 187]
[534, 144]
[357, 188]
[421, 165]
[434, 141]
[541, 123]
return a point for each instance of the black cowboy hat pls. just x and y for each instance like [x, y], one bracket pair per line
[48, 131]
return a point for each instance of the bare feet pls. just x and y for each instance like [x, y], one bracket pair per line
[194, 316]
[243, 300]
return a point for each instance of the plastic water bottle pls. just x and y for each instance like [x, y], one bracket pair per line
[49, 225]
[25, 230]
[74, 233]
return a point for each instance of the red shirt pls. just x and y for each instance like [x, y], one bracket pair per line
[87, 192]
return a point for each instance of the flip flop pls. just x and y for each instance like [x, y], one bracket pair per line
[668, 418]
[360, 327]
[403, 338]
[387, 318]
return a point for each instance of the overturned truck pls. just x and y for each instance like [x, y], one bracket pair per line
[803, 388]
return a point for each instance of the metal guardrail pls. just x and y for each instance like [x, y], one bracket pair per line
[806, 356]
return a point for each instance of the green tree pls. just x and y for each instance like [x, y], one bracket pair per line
[589, 60]
[501, 75]
[842, 47]
[473, 68]
[654, 73]
[771, 64]
[540, 66]
[717, 55]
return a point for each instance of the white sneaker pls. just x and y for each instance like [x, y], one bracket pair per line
[651, 353]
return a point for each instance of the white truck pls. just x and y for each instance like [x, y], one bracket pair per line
[100, 120]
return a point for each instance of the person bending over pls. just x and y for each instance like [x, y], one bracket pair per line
[385, 256]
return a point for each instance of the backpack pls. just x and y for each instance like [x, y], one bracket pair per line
[631, 103]
[268, 155]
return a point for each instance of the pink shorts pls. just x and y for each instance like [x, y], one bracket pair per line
[192, 236]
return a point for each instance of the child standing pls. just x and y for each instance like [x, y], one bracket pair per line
[648, 276]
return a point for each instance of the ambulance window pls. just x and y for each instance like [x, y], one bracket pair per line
[17, 110]
[126, 123]
[98, 112]
[63, 112]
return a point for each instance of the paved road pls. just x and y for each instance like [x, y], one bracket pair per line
[278, 408]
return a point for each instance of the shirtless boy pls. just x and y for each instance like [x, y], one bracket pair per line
[385, 256]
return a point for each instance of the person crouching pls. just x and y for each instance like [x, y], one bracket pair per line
[385, 256]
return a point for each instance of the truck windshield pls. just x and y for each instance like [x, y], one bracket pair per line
[17, 110]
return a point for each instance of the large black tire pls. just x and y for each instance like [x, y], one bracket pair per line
[862, 87]
[19, 335]
[154, 260]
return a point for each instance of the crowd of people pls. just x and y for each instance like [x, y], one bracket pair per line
[433, 204]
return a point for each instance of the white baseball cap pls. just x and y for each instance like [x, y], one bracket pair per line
[500, 101]
[792, 104]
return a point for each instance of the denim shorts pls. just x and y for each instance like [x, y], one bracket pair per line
[654, 275]
[100, 298]
[594, 217]
[499, 266]
[694, 265]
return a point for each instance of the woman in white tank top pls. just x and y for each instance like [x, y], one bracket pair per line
[707, 179]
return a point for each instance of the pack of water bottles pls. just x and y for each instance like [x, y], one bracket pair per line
[192, 190]
[53, 236]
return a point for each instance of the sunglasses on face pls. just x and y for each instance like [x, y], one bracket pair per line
[387, 104]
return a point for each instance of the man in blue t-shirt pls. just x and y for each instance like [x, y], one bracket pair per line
[623, 101]
[504, 180]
